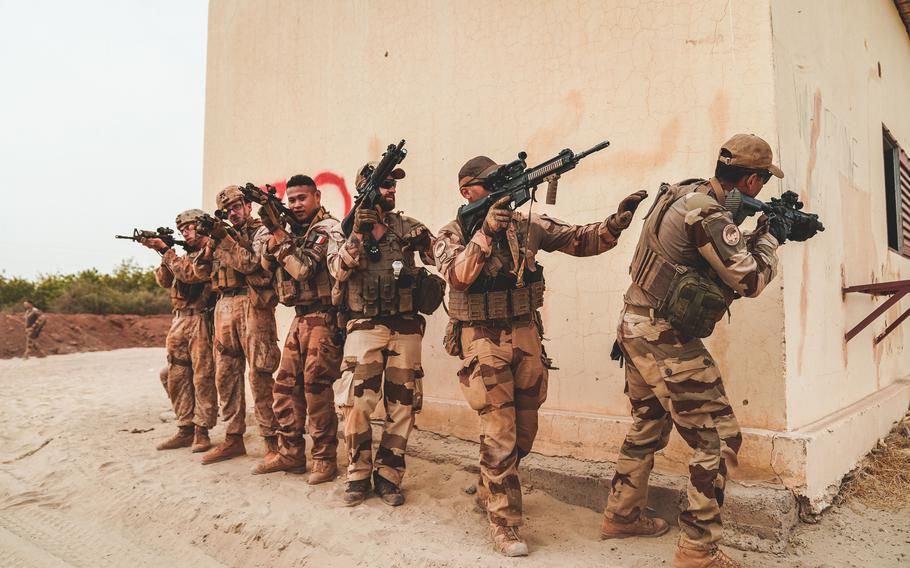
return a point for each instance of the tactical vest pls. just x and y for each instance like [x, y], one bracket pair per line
[317, 289]
[226, 278]
[184, 295]
[495, 294]
[373, 289]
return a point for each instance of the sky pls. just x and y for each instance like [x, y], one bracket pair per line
[102, 109]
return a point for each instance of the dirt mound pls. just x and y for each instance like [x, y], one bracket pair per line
[74, 333]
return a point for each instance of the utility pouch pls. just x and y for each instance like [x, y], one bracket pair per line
[695, 304]
[451, 341]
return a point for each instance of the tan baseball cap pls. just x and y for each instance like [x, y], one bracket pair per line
[368, 168]
[188, 216]
[749, 151]
[476, 168]
[227, 196]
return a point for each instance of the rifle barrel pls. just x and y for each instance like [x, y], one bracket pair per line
[596, 148]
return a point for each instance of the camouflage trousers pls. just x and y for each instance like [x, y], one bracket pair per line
[191, 371]
[381, 362]
[162, 375]
[244, 333]
[673, 380]
[31, 346]
[303, 392]
[504, 379]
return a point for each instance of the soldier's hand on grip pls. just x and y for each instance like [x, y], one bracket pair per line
[365, 218]
[498, 217]
[218, 231]
[779, 226]
[154, 244]
[269, 218]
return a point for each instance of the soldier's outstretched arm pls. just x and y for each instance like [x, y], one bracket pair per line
[585, 240]
[745, 269]
[460, 264]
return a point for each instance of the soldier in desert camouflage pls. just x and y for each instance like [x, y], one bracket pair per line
[495, 290]
[34, 323]
[245, 330]
[311, 360]
[671, 379]
[190, 373]
[382, 352]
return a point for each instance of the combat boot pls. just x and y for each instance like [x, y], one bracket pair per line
[182, 439]
[231, 447]
[642, 526]
[387, 491]
[271, 445]
[275, 461]
[507, 541]
[323, 470]
[712, 558]
[201, 441]
[355, 492]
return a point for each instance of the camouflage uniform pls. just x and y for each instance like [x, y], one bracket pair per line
[191, 368]
[383, 346]
[245, 329]
[504, 369]
[311, 359]
[34, 323]
[671, 379]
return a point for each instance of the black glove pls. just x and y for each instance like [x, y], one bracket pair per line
[779, 227]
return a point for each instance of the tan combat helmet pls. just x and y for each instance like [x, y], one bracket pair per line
[749, 151]
[368, 168]
[227, 196]
[188, 216]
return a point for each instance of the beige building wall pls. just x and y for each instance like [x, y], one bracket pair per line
[311, 87]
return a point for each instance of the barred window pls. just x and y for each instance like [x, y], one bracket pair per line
[897, 194]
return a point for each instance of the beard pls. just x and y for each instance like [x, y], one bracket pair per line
[387, 203]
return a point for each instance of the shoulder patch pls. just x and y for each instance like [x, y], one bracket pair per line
[732, 235]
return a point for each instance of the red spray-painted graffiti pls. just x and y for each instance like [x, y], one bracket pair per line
[328, 184]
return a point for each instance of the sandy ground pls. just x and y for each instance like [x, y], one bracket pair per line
[81, 485]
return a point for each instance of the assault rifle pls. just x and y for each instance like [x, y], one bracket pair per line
[368, 193]
[166, 234]
[268, 199]
[803, 226]
[205, 223]
[520, 183]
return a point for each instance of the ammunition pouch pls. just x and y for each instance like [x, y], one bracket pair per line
[451, 341]
[189, 293]
[695, 304]
[498, 304]
[429, 290]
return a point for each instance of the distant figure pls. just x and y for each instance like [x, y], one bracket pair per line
[34, 323]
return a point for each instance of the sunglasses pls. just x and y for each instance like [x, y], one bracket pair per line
[765, 175]
[388, 184]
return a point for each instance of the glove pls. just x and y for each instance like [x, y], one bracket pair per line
[365, 218]
[623, 218]
[779, 227]
[498, 218]
[270, 218]
[218, 231]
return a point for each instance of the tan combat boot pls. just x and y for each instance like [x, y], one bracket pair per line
[182, 439]
[231, 447]
[713, 558]
[507, 541]
[642, 526]
[201, 441]
[275, 461]
[323, 470]
[271, 445]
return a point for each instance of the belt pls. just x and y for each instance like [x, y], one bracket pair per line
[524, 318]
[187, 312]
[639, 310]
[233, 292]
[312, 308]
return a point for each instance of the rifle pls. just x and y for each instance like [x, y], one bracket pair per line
[368, 193]
[269, 199]
[520, 183]
[803, 226]
[205, 223]
[166, 234]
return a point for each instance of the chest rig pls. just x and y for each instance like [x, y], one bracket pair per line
[224, 277]
[498, 293]
[317, 290]
[384, 286]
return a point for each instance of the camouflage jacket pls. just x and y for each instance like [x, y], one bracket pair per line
[698, 231]
[462, 264]
[33, 318]
[299, 262]
[244, 257]
[188, 277]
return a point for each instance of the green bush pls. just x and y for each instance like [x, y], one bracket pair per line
[129, 289]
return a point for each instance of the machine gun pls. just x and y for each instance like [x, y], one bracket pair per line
[803, 226]
[275, 209]
[520, 183]
[166, 234]
[368, 194]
